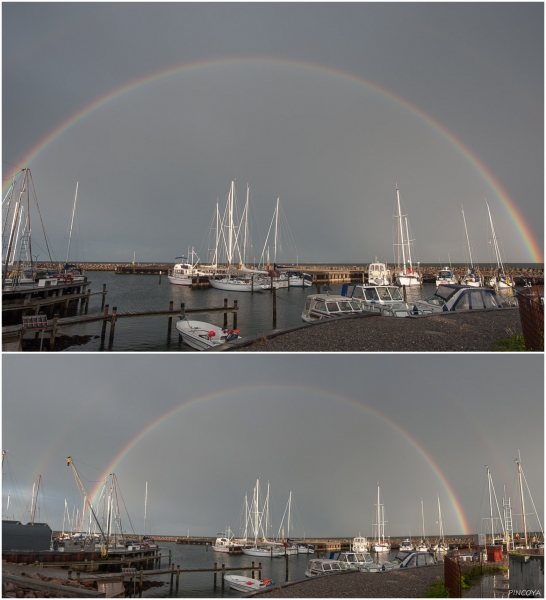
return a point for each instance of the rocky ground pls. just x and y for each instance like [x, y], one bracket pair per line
[407, 583]
[450, 332]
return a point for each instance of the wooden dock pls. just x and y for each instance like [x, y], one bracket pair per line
[11, 333]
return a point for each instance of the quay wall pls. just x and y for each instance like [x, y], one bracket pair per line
[320, 274]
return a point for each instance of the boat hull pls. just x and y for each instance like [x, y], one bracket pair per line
[263, 552]
[185, 281]
[231, 286]
[408, 280]
[247, 584]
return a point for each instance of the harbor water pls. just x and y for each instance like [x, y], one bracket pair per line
[201, 585]
[135, 292]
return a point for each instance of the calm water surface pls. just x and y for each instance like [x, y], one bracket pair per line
[194, 585]
[149, 334]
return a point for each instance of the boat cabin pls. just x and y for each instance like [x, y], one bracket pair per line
[323, 566]
[323, 306]
[461, 297]
[406, 560]
[372, 294]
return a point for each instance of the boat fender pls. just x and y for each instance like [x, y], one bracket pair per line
[211, 334]
[266, 581]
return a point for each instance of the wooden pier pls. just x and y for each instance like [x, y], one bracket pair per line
[12, 332]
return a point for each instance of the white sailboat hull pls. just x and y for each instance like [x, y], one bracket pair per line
[231, 285]
[263, 552]
[381, 548]
[408, 279]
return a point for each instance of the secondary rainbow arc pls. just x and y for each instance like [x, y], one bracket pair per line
[532, 246]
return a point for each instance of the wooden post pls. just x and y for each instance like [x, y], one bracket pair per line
[223, 575]
[252, 284]
[170, 557]
[286, 564]
[271, 279]
[252, 570]
[87, 301]
[160, 277]
[103, 295]
[177, 576]
[274, 292]
[225, 314]
[37, 309]
[53, 331]
[112, 326]
[103, 332]
[140, 585]
[172, 576]
[259, 570]
[235, 314]
[215, 564]
[404, 291]
[170, 325]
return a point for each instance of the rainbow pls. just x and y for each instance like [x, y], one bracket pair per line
[455, 503]
[532, 246]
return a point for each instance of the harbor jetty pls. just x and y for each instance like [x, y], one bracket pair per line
[329, 274]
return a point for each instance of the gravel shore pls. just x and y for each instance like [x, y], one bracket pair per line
[445, 332]
[406, 583]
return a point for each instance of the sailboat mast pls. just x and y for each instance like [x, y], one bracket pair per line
[423, 518]
[518, 461]
[490, 506]
[145, 506]
[409, 245]
[467, 238]
[276, 231]
[230, 223]
[35, 499]
[72, 221]
[246, 223]
[495, 243]
[401, 230]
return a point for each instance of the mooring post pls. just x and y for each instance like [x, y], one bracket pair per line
[53, 331]
[259, 570]
[286, 565]
[170, 325]
[225, 314]
[223, 574]
[252, 570]
[112, 326]
[103, 295]
[177, 576]
[235, 314]
[252, 284]
[103, 332]
[140, 585]
[271, 279]
[274, 292]
[160, 277]
[87, 301]
[172, 577]
[170, 557]
[404, 291]
[215, 565]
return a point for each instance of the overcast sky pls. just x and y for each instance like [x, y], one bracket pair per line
[326, 427]
[327, 106]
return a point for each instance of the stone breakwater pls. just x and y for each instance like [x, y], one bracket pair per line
[321, 272]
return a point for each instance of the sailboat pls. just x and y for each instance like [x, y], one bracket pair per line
[230, 238]
[71, 272]
[471, 278]
[500, 280]
[422, 546]
[380, 544]
[259, 519]
[406, 274]
[441, 546]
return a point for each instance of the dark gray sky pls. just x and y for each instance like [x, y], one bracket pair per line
[326, 427]
[152, 162]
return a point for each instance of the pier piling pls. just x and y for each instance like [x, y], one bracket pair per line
[112, 327]
[53, 332]
[103, 295]
[103, 332]
[215, 566]
[274, 292]
[235, 314]
[225, 314]
[177, 577]
[170, 325]
[252, 570]
[172, 577]
[223, 575]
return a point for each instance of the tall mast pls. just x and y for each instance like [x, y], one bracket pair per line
[409, 245]
[490, 506]
[401, 229]
[467, 238]
[423, 518]
[246, 223]
[72, 222]
[276, 231]
[35, 500]
[17, 210]
[145, 506]
[495, 243]
[230, 222]
[518, 461]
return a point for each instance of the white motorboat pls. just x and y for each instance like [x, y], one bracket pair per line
[247, 584]
[322, 306]
[226, 543]
[360, 544]
[406, 545]
[378, 274]
[304, 548]
[384, 299]
[445, 275]
[353, 560]
[183, 272]
[500, 280]
[406, 274]
[380, 544]
[323, 566]
[471, 278]
[202, 336]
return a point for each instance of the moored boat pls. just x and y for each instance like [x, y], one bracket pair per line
[378, 274]
[183, 272]
[247, 584]
[323, 306]
[445, 275]
[323, 566]
[405, 275]
[202, 336]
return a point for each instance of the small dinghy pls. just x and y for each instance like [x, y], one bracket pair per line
[202, 336]
[247, 584]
